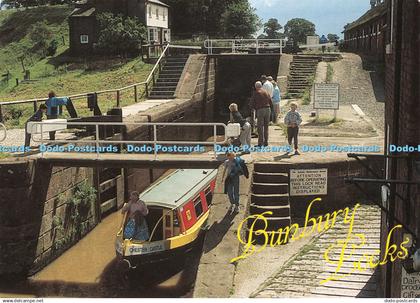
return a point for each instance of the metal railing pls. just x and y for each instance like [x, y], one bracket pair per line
[259, 46]
[152, 77]
[155, 142]
[4, 131]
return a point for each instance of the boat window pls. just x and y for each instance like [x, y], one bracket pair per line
[198, 207]
[209, 196]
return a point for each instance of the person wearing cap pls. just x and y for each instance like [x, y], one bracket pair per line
[261, 102]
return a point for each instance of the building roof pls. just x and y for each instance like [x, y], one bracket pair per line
[83, 12]
[374, 12]
[177, 188]
[158, 2]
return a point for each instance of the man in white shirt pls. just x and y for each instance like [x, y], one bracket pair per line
[267, 85]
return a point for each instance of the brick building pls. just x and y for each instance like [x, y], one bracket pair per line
[390, 31]
[402, 121]
[83, 26]
[368, 33]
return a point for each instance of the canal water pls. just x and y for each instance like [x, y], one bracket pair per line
[90, 269]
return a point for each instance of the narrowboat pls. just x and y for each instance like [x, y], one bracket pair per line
[178, 211]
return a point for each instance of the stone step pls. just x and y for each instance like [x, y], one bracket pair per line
[170, 73]
[277, 211]
[159, 93]
[270, 188]
[270, 167]
[163, 88]
[169, 77]
[273, 223]
[270, 200]
[270, 177]
[167, 81]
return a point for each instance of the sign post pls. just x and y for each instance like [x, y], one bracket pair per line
[327, 96]
[308, 182]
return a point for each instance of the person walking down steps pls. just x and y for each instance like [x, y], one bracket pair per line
[234, 167]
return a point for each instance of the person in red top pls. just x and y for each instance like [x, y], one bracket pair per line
[261, 102]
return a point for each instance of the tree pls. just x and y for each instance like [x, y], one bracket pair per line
[240, 20]
[333, 37]
[272, 29]
[298, 28]
[118, 34]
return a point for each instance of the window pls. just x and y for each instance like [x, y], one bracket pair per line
[84, 39]
[150, 11]
[164, 15]
[209, 196]
[198, 207]
[152, 35]
[157, 13]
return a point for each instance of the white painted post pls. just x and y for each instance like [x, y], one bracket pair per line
[155, 140]
[42, 140]
[97, 140]
[257, 47]
[215, 140]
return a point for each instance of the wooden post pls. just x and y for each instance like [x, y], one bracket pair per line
[35, 107]
[135, 93]
[154, 81]
[1, 114]
[118, 98]
[147, 89]
[97, 184]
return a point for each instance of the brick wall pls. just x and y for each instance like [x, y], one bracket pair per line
[408, 127]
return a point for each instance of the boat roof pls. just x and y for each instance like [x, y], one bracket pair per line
[177, 188]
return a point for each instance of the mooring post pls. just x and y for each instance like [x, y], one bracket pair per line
[35, 107]
[135, 93]
[118, 98]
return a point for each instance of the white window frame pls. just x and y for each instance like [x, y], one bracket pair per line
[150, 11]
[84, 39]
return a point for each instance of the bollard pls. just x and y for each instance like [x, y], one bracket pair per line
[118, 98]
[135, 93]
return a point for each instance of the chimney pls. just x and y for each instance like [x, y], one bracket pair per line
[372, 3]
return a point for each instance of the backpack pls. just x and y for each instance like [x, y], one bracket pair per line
[244, 168]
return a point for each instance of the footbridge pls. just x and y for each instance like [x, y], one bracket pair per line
[97, 150]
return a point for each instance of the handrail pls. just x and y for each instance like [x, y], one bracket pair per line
[154, 142]
[235, 44]
[84, 95]
[3, 127]
[157, 63]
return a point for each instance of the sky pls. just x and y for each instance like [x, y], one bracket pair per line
[329, 16]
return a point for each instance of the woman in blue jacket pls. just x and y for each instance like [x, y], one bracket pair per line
[52, 108]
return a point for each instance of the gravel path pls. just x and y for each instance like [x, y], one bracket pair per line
[357, 87]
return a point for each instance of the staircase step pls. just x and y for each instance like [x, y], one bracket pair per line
[270, 200]
[277, 211]
[159, 97]
[270, 167]
[273, 223]
[267, 188]
[273, 237]
[167, 81]
[164, 88]
[270, 177]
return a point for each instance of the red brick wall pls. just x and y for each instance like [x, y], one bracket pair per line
[408, 127]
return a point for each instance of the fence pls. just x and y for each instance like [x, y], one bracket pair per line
[151, 79]
[155, 142]
[257, 46]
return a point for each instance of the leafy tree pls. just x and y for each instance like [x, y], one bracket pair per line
[333, 37]
[298, 28]
[118, 34]
[272, 29]
[240, 20]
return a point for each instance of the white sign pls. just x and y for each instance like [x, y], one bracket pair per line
[410, 284]
[308, 182]
[145, 249]
[326, 96]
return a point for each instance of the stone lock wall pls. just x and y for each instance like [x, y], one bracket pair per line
[34, 203]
